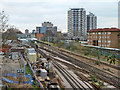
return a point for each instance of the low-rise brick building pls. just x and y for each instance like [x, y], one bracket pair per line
[106, 37]
[39, 36]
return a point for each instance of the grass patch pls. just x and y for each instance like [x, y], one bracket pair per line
[28, 70]
[94, 80]
[78, 48]
[35, 85]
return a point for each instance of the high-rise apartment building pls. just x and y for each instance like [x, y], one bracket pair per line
[91, 21]
[119, 14]
[77, 28]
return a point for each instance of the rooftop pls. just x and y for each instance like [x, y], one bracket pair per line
[77, 8]
[105, 30]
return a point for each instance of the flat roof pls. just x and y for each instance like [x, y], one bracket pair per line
[113, 49]
[31, 49]
[43, 70]
[105, 30]
[77, 8]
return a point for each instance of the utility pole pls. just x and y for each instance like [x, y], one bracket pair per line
[70, 43]
[70, 47]
[99, 56]
[48, 42]
[65, 44]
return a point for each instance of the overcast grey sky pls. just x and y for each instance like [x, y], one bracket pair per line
[27, 14]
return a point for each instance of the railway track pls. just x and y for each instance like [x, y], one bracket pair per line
[71, 79]
[76, 84]
[90, 59]
[60, 50]
[109, 78]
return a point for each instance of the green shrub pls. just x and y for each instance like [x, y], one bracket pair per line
[86, 53]
[96, 62]
[68, 47]
[74, 47]
[93, 78]
[101, 83]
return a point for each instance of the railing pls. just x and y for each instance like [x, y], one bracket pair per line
[36, 78]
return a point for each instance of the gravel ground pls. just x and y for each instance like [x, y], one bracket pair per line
[10, 66]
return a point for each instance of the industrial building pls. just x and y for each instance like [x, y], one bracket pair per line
[47, 29]
[15, 52]
[23, 36]
[39, 36]
[31, 55]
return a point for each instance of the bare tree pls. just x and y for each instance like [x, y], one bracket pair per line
[3, 21]
[3, 24]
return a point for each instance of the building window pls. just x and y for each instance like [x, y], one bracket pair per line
[95, 42]
[99, 33]
[109, 41]
[107, 45]
[109, 32]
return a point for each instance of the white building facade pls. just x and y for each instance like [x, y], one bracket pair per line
[77, 28]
